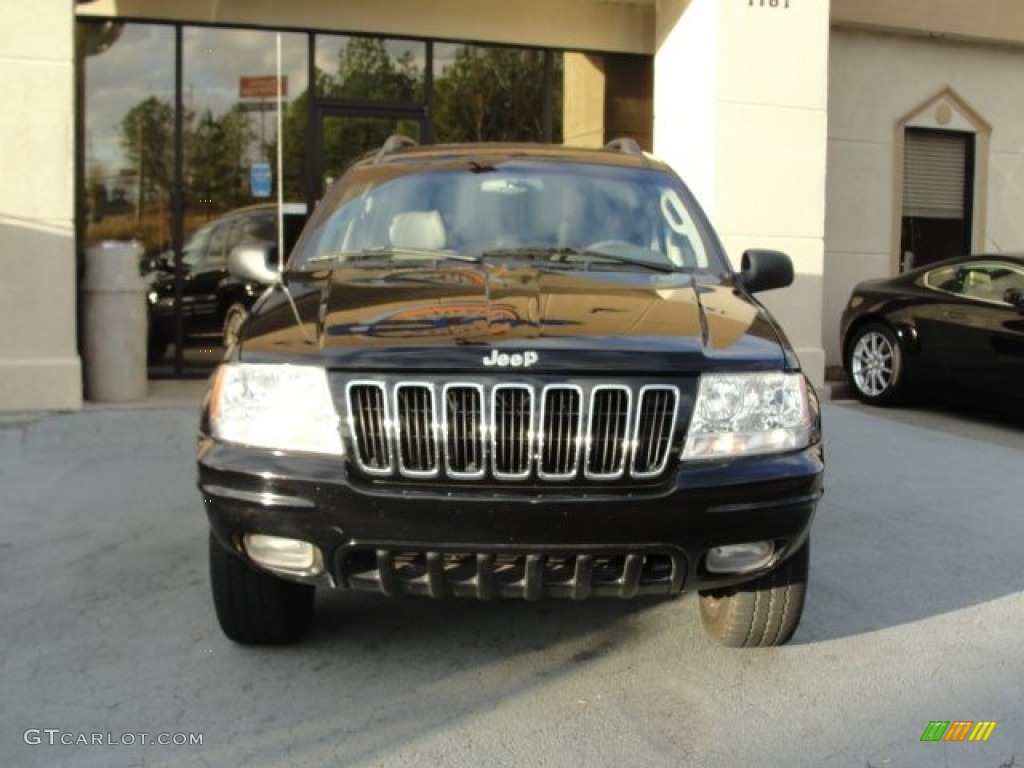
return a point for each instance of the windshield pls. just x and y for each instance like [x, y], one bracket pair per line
[517, 209]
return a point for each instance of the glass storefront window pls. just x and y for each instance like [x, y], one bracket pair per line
[490, 93]
[370, 69]
[230, 119]
[133, 183]
[128, 126]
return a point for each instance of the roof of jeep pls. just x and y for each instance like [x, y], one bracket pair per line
[493, 153]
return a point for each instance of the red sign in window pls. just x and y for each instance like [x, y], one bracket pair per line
[261, 87]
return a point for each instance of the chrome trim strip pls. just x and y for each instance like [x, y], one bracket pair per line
[495, 472]
[620, 470]
[386, 426]
[674, 391]
[428, 442]
[577, 442]
[481, 437]
[259, 499]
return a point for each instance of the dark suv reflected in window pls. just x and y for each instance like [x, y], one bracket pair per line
[213, 302]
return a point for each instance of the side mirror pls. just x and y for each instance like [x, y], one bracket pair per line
[764, 270]
[1015, 297]
[162, 263]
[252, 263]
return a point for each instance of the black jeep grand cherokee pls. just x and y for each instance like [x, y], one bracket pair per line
[511, 371]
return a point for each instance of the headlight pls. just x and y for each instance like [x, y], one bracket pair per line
[282, 407]
[744, 414]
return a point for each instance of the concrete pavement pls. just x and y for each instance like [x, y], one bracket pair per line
[915, 613]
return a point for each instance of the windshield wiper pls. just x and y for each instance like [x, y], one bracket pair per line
[389, 255]
[569, 257]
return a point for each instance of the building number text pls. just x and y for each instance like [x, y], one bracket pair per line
[768, 3]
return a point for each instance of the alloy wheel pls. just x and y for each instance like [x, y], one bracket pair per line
[873, 363]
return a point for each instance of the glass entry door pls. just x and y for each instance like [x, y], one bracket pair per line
[345, 135]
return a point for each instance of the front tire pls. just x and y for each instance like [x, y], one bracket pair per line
[233, 320]
[255, 607]
[761, 613]
[875, 366]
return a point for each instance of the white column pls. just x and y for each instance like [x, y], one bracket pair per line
[39, 363]
[740, 111]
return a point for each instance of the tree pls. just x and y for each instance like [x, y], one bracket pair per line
[491, 94]
[217, 150]
[147, 136]
[367, 71]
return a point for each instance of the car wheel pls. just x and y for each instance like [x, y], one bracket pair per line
[232, 323]
[874, 366]
[255, 607]
[761, 613]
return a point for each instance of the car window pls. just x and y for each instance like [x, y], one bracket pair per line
[258, 228]
[982, 280]
[196, 246]
[637, 212]
[216, 253]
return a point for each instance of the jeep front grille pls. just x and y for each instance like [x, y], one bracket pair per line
[511, 432]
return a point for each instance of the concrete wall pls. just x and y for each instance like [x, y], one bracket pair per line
[878, 83]
[740, 111]
[39, 365]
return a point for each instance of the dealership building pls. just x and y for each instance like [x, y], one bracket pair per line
[861, 137]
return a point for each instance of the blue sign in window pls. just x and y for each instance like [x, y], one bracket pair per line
[261, 179]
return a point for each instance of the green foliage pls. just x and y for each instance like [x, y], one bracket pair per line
[490, 94]
[218, 159]
[366, 71]
[147, 136]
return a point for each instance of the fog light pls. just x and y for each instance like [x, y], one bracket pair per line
[738, 558]
[284, 554]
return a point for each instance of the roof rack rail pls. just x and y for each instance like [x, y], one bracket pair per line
[625, 145]
[395, 142]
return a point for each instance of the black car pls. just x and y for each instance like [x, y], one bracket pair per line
[952, 330]
[214, 303]
[501, 371]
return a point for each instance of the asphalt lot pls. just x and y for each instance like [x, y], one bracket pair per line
[915, 613]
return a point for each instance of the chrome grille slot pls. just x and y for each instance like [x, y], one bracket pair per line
[561, 432]
[464, 431]
[655, 425]
[369, 425]
[607, 433]
[416, 430]
[511, 431]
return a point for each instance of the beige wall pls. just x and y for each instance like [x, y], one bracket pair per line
[879, 82]
[39, 365]
[740, 112]
[626, 27]
[991, 21]
[583, 104]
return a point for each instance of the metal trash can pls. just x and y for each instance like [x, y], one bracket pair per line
[115, 323]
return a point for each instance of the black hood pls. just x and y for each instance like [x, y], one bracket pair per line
[514, 318]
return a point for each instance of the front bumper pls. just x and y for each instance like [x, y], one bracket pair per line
[512, 541]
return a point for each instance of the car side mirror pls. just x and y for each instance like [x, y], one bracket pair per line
[252, 262]
[1014, 296]
[762, 270]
